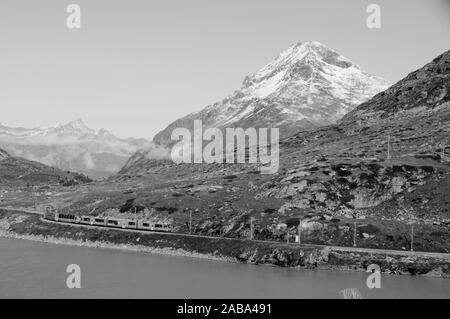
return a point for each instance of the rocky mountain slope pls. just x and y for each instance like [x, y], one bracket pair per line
[380, 178]
[422, 92]
[72, 146]
[19, 172]
[387, 157]
[3, 154]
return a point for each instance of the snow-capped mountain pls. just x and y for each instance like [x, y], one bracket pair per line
[306, 86]
[72, 146]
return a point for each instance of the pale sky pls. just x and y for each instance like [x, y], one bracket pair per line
[135, 66]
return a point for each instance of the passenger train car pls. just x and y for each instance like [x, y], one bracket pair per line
[109, 222]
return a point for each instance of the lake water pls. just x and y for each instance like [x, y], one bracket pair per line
[38, 270]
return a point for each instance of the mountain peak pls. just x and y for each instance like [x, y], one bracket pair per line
[304, 67]
[76, 125]
[104, 132]
[306, 86]
[311, 53]
[78, 121]
[311, 46]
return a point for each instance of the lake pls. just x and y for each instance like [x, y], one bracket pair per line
[38, 270]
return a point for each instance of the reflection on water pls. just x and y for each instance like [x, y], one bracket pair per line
[38, 270]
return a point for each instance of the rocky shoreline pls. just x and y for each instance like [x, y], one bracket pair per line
[27, 226]
[6, 233]
[108, 245]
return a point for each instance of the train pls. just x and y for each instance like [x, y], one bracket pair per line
[138, 224]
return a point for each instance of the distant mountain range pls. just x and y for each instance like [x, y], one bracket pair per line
[307, 86]
[72, 146]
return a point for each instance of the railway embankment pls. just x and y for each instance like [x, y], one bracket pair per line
[23, 225]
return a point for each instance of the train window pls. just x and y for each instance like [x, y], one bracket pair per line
[146, 224]
[99, 220]
[131, 223]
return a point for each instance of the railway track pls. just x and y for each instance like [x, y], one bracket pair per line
[444, 256]
[26, 210]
